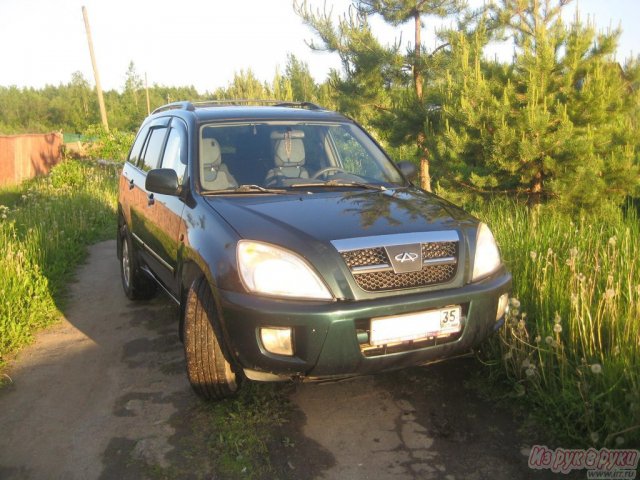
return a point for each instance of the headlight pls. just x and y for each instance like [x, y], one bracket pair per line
[275, 271]
[487, 258]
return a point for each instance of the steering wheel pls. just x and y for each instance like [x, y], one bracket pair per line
[324, 171]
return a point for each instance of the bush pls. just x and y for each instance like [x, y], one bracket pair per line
[111, 145]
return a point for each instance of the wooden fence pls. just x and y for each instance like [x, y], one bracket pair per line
[25, 156]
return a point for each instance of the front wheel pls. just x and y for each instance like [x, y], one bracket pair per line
[210, 373]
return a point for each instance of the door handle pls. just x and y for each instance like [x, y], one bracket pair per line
[131, 184]
[150, 199]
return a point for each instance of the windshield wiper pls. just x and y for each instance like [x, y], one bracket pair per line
[244, 189]
[338, 184]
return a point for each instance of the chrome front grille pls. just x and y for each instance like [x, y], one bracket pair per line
[373, 270]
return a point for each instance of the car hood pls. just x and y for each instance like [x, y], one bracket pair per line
[288, 219]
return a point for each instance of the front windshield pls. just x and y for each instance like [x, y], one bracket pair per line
[287, 155]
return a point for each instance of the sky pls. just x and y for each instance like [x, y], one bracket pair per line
[200, 42]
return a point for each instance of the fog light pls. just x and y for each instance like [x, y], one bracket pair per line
[277, 340]
[503, 302]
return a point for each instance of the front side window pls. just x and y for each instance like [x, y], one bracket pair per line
[136, 150]
[151, 157]
[175, 154]
[290, 154]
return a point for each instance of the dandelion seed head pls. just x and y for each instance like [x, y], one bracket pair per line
[573, 252]
[596, 368]
[613, 240]
[594, 437]
[533, 255]
[521, 325]
[515, 303]
[507, 355]
[557, 318]
[549, 340]
[619, 441]
[538, 339]
[557, 328]
[526, 363]
[549, 252]
[610, 293]
[530, 371]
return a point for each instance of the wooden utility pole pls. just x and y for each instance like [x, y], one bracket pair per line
[146, 88]
[103, 111]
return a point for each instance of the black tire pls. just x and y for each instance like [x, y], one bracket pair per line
[210, 372]
[136, 284]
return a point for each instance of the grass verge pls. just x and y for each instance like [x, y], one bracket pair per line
[570, 348]
[45, 226]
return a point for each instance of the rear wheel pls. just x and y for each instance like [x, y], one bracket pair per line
[210, 372]
[136, 284]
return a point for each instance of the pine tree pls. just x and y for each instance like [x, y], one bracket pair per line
[383, 87]
[556, 124]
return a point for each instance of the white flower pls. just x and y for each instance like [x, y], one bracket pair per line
[596, 368]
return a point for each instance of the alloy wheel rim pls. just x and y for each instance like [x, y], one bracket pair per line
[126, 264]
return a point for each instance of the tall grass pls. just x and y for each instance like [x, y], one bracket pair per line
[571, 345]
[45, 225]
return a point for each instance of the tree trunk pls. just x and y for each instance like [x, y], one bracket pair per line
[417, 73]
[425, 176]
[535, 193]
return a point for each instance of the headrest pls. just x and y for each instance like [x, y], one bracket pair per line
[287, 133]
[289, 152]
[210, 153]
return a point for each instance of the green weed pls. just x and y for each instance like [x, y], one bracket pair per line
[45, 227]
[570, 347]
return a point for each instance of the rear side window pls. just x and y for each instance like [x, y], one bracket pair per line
[152, 152]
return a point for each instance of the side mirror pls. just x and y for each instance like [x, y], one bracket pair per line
[162, 180]
[408, 169]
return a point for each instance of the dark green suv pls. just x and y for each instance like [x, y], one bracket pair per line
[297, 249]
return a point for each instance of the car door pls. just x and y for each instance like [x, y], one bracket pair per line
[156, 217]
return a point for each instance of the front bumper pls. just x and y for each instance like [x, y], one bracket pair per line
[326, 334]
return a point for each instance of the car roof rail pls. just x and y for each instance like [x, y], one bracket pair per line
[191, 106]
[186, 105]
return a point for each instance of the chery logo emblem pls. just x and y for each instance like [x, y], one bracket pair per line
[406, 257]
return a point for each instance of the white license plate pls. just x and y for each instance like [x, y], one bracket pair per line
[415, 326]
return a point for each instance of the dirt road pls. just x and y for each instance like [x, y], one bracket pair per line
[104, 395]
